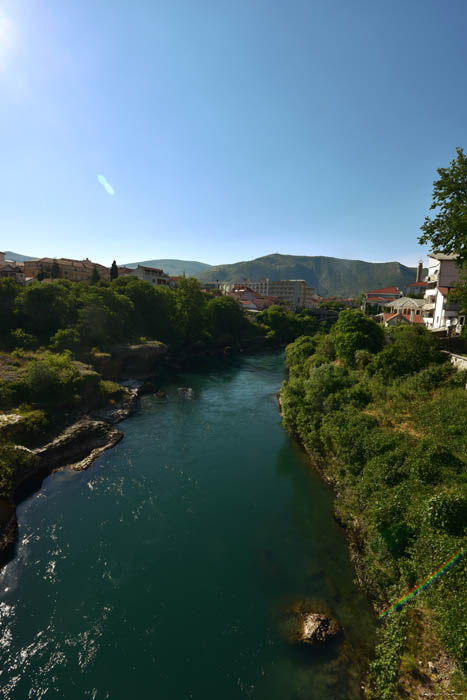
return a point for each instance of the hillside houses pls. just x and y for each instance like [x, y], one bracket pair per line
[64, 268]
[12, 270]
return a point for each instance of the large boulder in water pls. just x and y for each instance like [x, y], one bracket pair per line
[314, 628]
[301, 624]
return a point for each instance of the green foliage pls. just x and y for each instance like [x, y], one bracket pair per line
[355, 331]
[225, 318]
[447, 511]
[52, 380]
[26, 431]
[65, 339]
[385, 667]
[44, 307]
[19, 338]
[190, 303]
[391, 433]
[410, 349]
[14, 462]
[447, 231]
[77, 316]
[284, 326]
[9, 291]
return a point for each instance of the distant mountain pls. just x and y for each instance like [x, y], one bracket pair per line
[328, 276]
[191, 268]
[17, 257]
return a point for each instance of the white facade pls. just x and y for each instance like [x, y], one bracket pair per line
[440, 314]
[151, 274]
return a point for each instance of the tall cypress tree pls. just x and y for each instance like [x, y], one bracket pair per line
[113, 271]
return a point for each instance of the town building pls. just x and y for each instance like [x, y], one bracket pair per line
[250, 299]
[311, 299]
[64, 268]
[153, 275]
[9, 269]
[406, 310]
[375, 300]
[294, 292]
[291, 291]
[418, 287]
[440, 314]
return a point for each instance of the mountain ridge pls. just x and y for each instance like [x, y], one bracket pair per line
[327, 275]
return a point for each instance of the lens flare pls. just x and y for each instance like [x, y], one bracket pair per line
[106, 185]
[423, 585]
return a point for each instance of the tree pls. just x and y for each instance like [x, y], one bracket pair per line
[113, 271]
[9, 290]
[44, 308]
[191, 307]
[225, 317]
[447, 231]
[355, 331]
[94, 275]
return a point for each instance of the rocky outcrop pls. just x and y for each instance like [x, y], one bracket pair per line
[300, 624]
[314, 628]
[78, 446]
[141, 360]
[115, 414]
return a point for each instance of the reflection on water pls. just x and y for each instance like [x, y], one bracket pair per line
[162, 570]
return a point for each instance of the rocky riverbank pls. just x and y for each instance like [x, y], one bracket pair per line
[76, 447]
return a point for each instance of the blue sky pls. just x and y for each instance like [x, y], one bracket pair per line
[228, 129]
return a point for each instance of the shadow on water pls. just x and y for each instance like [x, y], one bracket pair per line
[309, 564]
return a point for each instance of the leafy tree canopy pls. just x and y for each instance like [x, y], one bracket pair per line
[447, 231]
[355, 331]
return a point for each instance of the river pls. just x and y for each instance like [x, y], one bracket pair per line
[159, 572]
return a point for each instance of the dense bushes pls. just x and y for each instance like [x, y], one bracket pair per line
[387, 423]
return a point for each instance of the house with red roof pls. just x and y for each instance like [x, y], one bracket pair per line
[375, 300]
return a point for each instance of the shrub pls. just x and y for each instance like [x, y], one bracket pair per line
[23, 340]
[447, 511]
[14, 461]
[355, 331]
[54, 379]
[65, 339]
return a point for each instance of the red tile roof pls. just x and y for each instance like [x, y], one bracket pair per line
[444, 291]
[417, 284]
[384, 290]
[405, 317]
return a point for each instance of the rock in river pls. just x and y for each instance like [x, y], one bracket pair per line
[301, 625]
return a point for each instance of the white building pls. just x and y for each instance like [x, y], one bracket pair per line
[153, 275]
[294, 292]
[439, 314]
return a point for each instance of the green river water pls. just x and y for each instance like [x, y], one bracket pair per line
[160, 571]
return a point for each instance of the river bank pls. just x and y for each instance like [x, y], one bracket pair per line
[370, 436]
